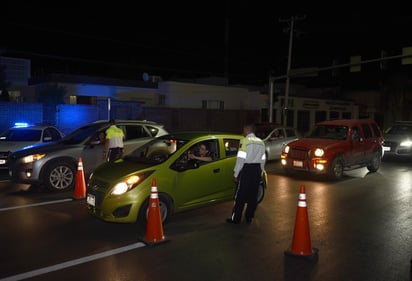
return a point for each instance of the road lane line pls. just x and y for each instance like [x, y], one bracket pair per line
[36, 204]
[63, 265]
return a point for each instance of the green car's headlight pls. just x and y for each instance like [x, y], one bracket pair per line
[129, 183]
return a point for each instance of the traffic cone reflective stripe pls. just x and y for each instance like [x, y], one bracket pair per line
[154, 227]
[301, 244]
[302, 194]
[80, 187]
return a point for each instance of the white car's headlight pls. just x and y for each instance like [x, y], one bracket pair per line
[406, 143]
[32, 158]
[319, 152]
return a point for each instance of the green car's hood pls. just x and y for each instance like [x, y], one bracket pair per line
[119, 169]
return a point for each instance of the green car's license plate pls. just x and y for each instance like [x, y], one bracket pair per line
[91, 200]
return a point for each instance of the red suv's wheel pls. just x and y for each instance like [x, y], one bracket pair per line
[375, 163]
[336, 169]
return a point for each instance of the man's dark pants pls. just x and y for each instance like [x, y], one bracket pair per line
[115, 153]
[247, 191]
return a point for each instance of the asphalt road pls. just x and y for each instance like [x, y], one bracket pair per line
[360, 227]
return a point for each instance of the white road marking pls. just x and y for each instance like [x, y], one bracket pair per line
[36, 204]
[59, 266]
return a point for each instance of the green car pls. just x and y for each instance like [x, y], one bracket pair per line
[119, 191]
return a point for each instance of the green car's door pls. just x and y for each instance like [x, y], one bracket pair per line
[204, 182]
[199, 185]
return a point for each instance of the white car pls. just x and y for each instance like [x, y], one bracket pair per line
[398, 140]
[23, 135]
[275, 137]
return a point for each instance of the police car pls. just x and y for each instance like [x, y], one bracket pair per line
[24, 135]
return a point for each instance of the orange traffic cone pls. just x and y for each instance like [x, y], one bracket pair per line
[154, 227]
[301, 245]
[80, 187]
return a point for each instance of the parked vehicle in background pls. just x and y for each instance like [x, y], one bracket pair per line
[275, 138]
[23, 135]
[119, 191]
[335, 146]
[398, 140]
[54, 165]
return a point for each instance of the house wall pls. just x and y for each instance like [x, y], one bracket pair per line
[68, 117]
[303, 113]
[189, 95]
[188, 119]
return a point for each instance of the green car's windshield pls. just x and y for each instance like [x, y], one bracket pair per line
[156, 151]
[330, 132]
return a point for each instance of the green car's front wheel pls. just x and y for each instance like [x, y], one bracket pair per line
[165, 207]
[261, 191]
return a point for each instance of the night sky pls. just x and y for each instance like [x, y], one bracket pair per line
[246, 39]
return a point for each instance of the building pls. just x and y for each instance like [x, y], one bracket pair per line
[209, 104]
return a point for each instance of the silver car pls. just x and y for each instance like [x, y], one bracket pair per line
[398, 140]
[23, 134]
[54, 165]
[275, 137]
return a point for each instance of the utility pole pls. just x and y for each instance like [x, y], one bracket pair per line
[291, 21]
[271, 90]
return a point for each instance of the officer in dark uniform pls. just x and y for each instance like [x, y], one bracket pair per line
[250, 163]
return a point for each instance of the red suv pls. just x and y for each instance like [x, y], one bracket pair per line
[335, 146]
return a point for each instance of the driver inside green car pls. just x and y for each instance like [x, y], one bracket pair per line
[203, 154]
